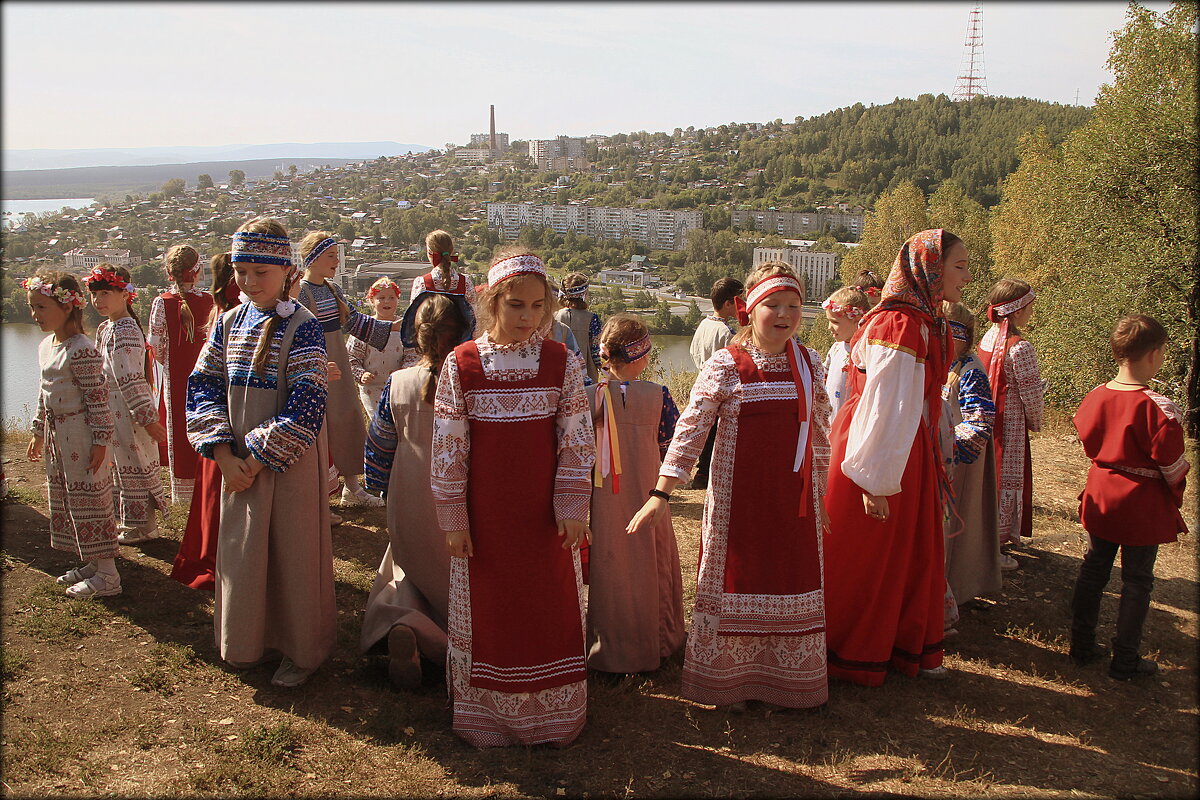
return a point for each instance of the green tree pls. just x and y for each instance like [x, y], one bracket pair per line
[1106, 223]
[692, 320]
[898, 215]
[173, 187]
[237, 177]
[204, 181]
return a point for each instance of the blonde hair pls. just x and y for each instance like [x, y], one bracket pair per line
[957, 312]
[438, 242]
[620, 330]
[275, 228]
[438, 327]
[852, 296]
[757, 275]
[311, 240]
[570, 281]
[177, 260]
[489, 298]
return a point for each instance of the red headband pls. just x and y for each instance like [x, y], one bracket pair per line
[762, 290]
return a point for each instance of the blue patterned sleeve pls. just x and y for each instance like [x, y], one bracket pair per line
[380, 448]
[666, 423]
[978, 412]
[374, 332]
[207, 407]
[594, 335]
[280, 440]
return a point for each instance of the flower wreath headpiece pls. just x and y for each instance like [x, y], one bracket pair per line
[381, 285]
[60, 294]
[848, 311]
[100, 279]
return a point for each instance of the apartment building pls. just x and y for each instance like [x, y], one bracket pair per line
[800, 223]
[818, 269]
[653, 228]
[483, 141]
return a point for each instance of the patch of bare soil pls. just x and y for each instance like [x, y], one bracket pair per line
[126, 695]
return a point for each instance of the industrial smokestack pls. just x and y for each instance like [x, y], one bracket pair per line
[492, 129]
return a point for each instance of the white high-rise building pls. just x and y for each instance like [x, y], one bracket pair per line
[818, 269]
[658, 229]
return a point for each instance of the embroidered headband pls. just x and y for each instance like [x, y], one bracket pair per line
[573, 291]
[1004, 309]
[261, 248]
[100, 279]
[763, 289]
[319, 248]
[437, 259]
[629, 352]
[850, 312]
[960, 332]
[527, 264]
[60, 294]
[870, 291]
[381, 285]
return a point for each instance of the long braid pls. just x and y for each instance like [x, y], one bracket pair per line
[180, 260]
[439, 326]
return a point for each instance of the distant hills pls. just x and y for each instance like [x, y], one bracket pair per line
[144, 156]
[116, 182]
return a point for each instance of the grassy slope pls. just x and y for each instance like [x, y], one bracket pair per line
[127, 696]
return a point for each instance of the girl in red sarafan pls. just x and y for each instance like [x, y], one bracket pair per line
[513, 449]
[177, 332]
[1134, 437]
[196, 562]
[758, 626]
[884, 567]
[1018, 392]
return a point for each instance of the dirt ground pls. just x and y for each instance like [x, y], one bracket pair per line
[126, 696]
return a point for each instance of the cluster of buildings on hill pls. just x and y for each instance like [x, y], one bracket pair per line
[652, 228]
[560, 154]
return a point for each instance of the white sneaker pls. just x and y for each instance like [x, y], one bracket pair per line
[134, 536]
[1008, 563]
[935, 674]
[335, 519]
[360, 498]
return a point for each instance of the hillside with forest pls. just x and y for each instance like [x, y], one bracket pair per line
[851, 154]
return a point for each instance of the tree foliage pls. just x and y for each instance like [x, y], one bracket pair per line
[1106, 223]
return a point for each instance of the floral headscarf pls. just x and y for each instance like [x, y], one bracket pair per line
[916, 277]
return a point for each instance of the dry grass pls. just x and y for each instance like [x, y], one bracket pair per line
[126, 696]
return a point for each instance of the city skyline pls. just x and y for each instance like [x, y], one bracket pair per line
[412, 72]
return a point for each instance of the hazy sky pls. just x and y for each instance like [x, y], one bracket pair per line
[151, 74]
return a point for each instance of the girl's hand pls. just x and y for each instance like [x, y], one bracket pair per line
[96, 460]
[157, 432]
[234, 471]
[822, 516]
[574, 531]
[335, 373]
[875, 506]
[648, 515]
[458, 544]
[254, 466]
[34, 451]
[366, 378]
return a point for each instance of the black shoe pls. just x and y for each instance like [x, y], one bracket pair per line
[1082, 656]
[1142, 668]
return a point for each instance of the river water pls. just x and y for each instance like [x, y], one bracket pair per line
[13, 209]
[19, 371]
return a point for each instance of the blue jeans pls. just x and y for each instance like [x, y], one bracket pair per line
[1137, 581]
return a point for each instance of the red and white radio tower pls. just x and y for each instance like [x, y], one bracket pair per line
[971, 81]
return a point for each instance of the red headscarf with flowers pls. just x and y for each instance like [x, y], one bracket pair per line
[914, 286]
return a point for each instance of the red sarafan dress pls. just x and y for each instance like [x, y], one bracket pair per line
[758, 624]
[1135, 484]
[176, 347]
[884, 580]
[512, 453]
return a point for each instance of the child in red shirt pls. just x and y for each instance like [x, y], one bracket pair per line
[1134, 438]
